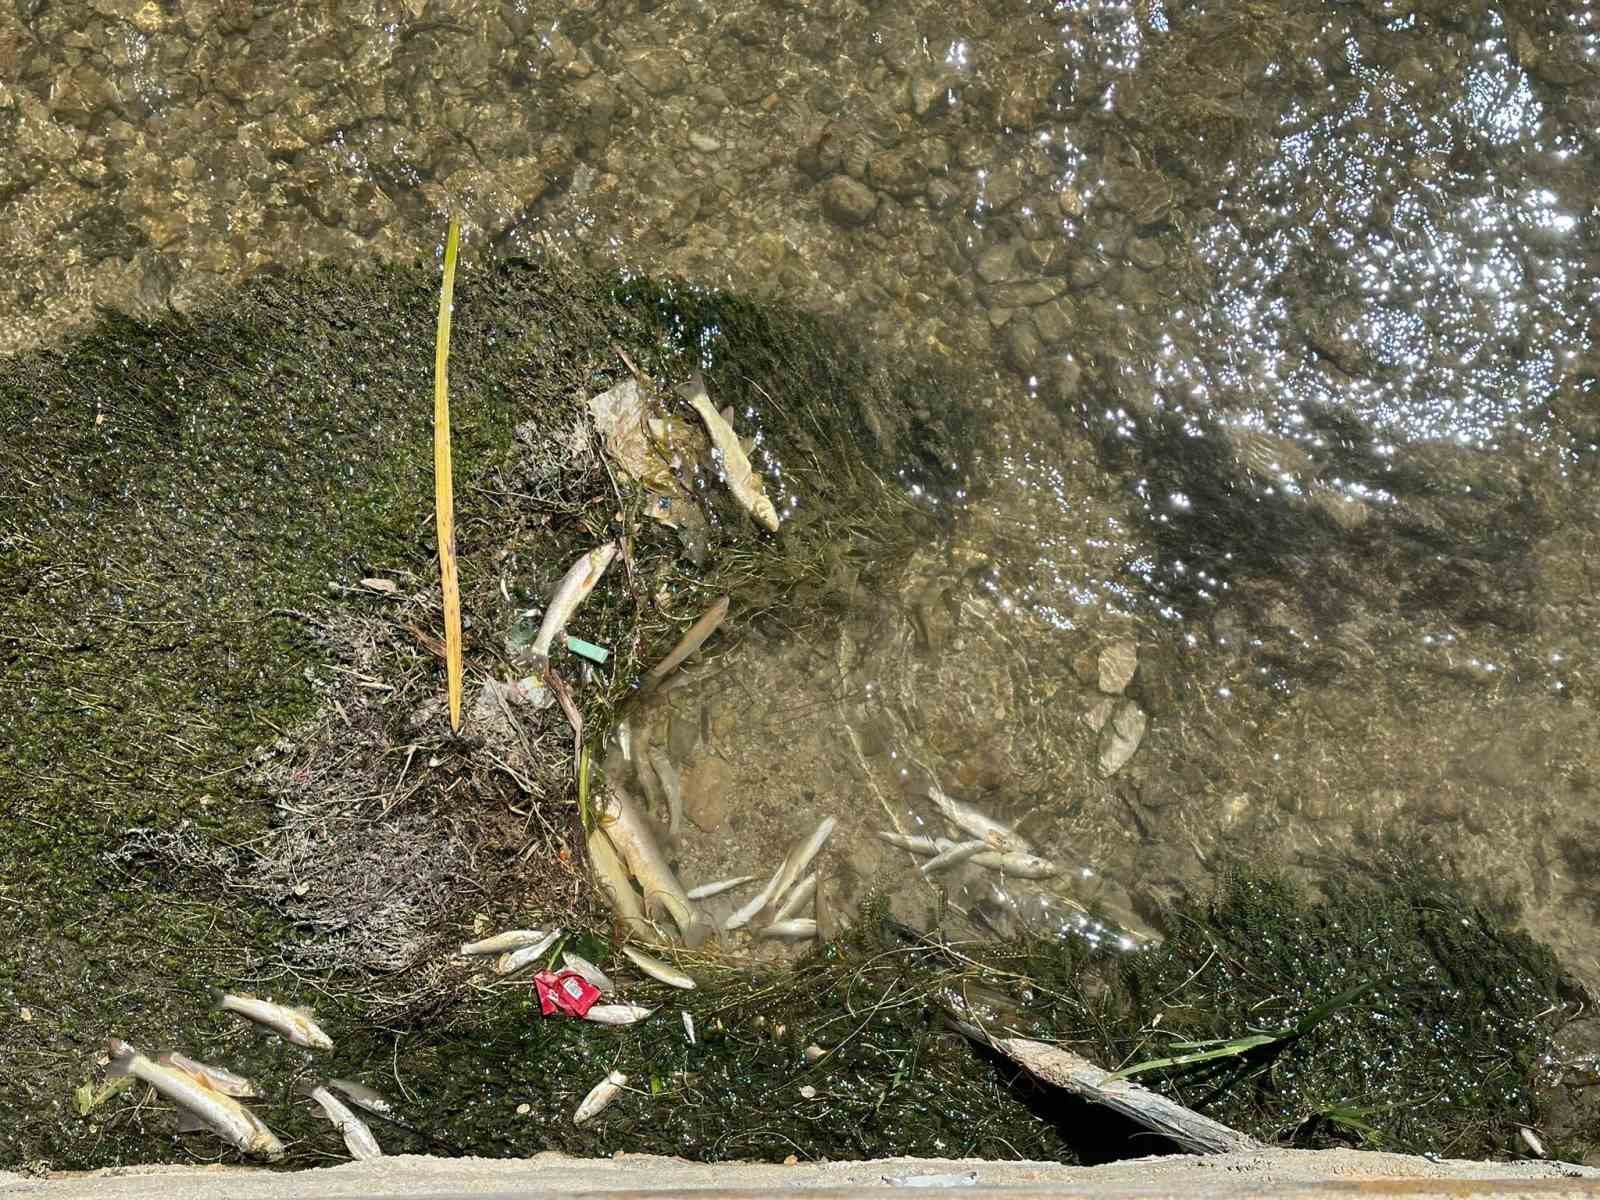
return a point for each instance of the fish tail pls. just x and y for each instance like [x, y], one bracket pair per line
[218, 999]
[121, 1058]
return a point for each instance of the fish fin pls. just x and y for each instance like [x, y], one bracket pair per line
[303, 1010]
[217, 996]
[189, 1123]
[121, 1058]
[305, 1087]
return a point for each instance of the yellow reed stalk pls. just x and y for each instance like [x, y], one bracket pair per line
[443, 486]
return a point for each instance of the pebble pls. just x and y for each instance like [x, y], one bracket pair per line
[846, 202]
[659, 70]
[1121, 737]
[1001, 189]
[1145, 253]
[1028, 293]
[998, 264]
[1098, 713]
[1118, 661]
[1053, 320]
[1062, 382]
[930, 94]
[1071, 202]
[1087, 270]
[1022, 345]
[704, 142]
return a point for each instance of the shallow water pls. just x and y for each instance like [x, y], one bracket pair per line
[1285, 312]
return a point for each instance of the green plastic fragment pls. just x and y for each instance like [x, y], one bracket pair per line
[589, 650]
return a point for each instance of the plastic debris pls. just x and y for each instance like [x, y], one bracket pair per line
[565, 992]
[588, 650]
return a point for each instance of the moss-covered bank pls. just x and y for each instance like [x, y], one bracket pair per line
[183, 501]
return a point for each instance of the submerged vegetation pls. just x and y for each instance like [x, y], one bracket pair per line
[231, 764]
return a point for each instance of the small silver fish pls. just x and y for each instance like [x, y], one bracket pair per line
[362, 1096]
[358, 1138]
[798, 896]
[657, 969]
[514, 960]
[688, 1027]
[800, 858]
[617, 1014]
[573, 589]
[980, 825]
[762, 898]
[217, 1078]
[706, 890]
[1016, 864]
[600, 1095]
[799, 929]
[298, 1025]
[590, 972]
[957, 853]
[200, 1106]
[747, 486]
[500, 943]
[906, 841]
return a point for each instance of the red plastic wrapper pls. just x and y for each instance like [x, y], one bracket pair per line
[565, 991]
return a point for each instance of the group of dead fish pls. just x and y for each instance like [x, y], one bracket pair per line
[208, 1097]
[622, 844]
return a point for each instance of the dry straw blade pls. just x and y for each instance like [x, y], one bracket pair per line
[443, 485]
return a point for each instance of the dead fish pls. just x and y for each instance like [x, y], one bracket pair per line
[691, 641]
[515, 960]
[362, 1096]
[358, 1138]
[1015, 864]
[573, 589]
[511, 939]
[745, 915]
[979, 824]
[798, 896]
[800, 857]
[688, 1027]
[906, 841]
[956, 853]
[590, 972]
[747, 487]
[612, 877]
[617, 1014]
[600, 1095]
[217, 1078]
[200, 1106]
[668, 775]
[799, 929]
[619, 816]
[657, 969]
[706, 890]
[298, 1024]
